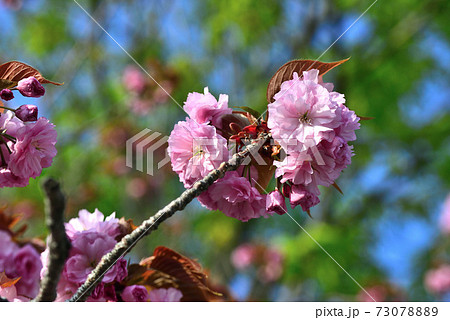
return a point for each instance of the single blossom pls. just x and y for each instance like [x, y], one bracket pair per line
[235, 197]
[94, 221]
[10, 124]
[195, 149]
[243, 256]
[275, 203]
[299, 195]
[135, 293]
[133, 79]
[165, 295]
[34, 149]
[302, 112]
[26, 264]
[30, 87]
[6, 94]
[204, 108]
[10, 180]
[437, 280]
[27, 112]
[9, 293]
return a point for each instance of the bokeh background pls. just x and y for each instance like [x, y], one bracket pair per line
[389, 230]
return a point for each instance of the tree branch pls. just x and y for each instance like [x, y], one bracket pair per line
[59, 245]
[128, 242]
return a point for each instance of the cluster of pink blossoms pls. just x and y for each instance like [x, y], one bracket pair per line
[199, 145]
[313, 126]
[19, 262]
[27, 143]
[307, 120]
[92, 236]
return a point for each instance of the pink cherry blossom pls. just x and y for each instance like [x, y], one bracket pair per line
[134, 79]
[243, 256]
[302, 110]
[34, 149]
[349, 123]
[272, 269]
[235, 197]
[195, 149]
[135, 293]
[10, 124]
[299, 195]
[65, 289]
[121, 270]
[103, 293]
[26, 264]
[165, 295]
[95, 221]
[204, 108]
[9, 293]
[275, 203]
[437, 280]
[295, 167]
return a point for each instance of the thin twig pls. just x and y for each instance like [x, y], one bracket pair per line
[128, 242]
[58, 243]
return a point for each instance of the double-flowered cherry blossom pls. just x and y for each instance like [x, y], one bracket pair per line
[204, 108]
[20, 262]
[195, 149]
[92, 236]
[313, 126]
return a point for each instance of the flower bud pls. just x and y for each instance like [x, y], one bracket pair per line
[27, 112]
[6, 94]
[275, 203]
[300, 196]
[30, 87]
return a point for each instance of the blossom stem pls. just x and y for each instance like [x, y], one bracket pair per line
[130, 240]
[2, 157]
[7, 136]
[59, 244]
[7, 147]
[6, 108]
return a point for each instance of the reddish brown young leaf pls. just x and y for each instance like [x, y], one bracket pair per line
[167, 268]
[286, 70]
[14, 71]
